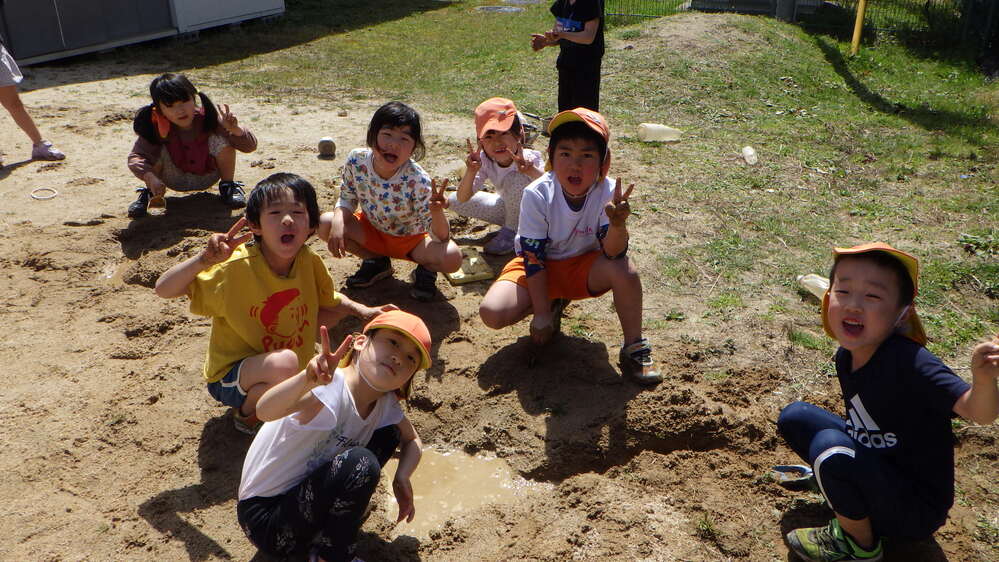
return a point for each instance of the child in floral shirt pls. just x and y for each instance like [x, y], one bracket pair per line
[389, 207]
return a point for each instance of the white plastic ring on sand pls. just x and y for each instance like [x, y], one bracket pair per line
[43, 193]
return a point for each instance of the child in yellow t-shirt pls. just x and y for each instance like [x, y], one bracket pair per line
[267, 298]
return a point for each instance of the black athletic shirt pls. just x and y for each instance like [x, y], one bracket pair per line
[573, 17]
[900, 405]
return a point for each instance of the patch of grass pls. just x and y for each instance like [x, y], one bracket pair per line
[987, 531]
[984, 244]
[807, 340]
[726, 302]
[706, 529]
[716, 376]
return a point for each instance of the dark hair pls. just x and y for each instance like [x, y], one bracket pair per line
[271, 188]
[576, 130]
[397, 114]
[906, 290]
[171, 88]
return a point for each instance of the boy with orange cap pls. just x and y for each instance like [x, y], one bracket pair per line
[887, 469]
[572, 244]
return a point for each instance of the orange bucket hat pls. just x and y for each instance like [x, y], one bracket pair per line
[912, 327]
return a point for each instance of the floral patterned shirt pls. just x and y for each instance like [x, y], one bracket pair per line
[399, 206]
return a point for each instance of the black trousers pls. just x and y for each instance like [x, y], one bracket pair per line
[324, 510]
[579, 86]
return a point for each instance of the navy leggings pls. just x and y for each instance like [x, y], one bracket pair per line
[855, 481]
[325, 509]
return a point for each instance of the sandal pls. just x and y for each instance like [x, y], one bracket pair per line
[795, 477]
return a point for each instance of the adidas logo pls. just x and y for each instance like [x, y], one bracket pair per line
[864, 430]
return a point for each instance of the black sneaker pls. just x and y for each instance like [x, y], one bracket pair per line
[635, 361]
[424, 284]
[232, 194]
[137, 209]
[372, 270]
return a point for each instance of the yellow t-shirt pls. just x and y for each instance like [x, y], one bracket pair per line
[254, 311]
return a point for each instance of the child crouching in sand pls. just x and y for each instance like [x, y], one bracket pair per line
[267, 298]
[310, 472]
[572, 244]
[886, 469]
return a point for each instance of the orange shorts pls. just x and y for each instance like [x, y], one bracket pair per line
[384, 244]
[566, 278]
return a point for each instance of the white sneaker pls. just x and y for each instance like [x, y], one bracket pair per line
[45, 151]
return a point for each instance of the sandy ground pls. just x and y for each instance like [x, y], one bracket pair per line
[112, 449]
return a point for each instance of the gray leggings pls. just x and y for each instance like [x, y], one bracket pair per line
[502, 207]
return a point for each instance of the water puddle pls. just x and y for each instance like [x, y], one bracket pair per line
[114, 272]
[449, 483]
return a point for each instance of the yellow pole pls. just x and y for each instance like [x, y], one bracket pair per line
[858, 26]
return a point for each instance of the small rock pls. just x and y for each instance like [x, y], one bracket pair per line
[342, 113]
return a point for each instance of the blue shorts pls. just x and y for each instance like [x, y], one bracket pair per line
[227, 390]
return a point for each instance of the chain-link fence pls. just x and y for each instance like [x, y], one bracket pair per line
[953, 20]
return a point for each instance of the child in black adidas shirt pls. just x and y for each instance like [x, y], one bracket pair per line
[887, 469]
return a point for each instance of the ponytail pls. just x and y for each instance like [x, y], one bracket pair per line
[211, 114]
[143, 124]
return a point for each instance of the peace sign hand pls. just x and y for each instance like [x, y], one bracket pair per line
[438, 201]
[228, 120]
[523, 166]
[320, 368]
[221, 246]
[473, 162]
[618, 209]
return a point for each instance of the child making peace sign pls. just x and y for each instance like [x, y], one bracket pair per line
[267, 298]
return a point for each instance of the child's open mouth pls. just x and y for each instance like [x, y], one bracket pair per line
[576, 180]
[287, 238]
[389, 157]
[853, 327]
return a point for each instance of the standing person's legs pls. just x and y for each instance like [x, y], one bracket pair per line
[12, 103]
[324, 510]
[10, 76]
[565, 87]
[586, 86]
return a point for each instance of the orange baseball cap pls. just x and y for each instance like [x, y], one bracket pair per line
[409, 325]
[592, 119]
[912, 328]
[495, 114]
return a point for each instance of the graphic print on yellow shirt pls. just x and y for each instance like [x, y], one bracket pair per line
[255, 311]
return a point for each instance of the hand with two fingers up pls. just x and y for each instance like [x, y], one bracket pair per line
[320, 369]
[618, 209]
[228, 121]
[438, 200]
[221, 246]
[473, 161]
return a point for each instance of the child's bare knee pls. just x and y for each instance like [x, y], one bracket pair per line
[491, 317]
[282, 364]
[452, 261]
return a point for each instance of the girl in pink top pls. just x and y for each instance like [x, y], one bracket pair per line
[184, 145]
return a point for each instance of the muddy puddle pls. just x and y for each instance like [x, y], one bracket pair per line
[449, 484]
